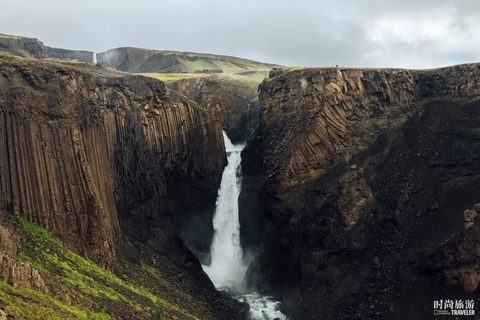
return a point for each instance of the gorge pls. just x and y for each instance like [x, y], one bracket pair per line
[356, 191]
[228, 265]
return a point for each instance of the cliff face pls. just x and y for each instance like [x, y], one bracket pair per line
[30, 47]
[91, 154]
[229, 93]
[365, 174]
[229, 100]
[14, 272]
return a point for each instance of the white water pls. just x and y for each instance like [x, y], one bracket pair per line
[227, 269]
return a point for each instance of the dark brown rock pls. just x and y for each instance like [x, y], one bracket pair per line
[92, 154]
[350, 162]
[229, 100]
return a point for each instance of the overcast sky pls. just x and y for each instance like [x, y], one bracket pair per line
[357, 33]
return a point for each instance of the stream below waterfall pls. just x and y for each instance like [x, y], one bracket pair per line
[227, 268]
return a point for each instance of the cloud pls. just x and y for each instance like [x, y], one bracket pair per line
[363, 33]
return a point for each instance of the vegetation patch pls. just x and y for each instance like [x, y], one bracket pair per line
[173, 76]
[251, 79]
[34, 305]
[79, 288]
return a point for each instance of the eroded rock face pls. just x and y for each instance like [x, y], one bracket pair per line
[89, 153]
[363, 173]
[30, 47]
[459, 256]
[13, 272]
[229, 100]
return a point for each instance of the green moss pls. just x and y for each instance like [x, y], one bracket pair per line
[151, 270]
[81, 280]
[199, 64]
[173, 76]
[33, 305]
[159, 313]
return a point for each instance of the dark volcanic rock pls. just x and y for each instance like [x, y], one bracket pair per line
[226, 89]
[92, 155]
[229, 100]
[365, 177]
[30, 47]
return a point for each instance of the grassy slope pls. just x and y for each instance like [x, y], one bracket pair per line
[247, 71]
[80, 289]
[8, 36]
[200, 61]
[252, 79]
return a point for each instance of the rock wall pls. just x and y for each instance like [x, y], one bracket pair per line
[233, 103]
[30, 47]
[13, 272]
[364, 173]
[65, 54]
[227, 99]
[89, 153]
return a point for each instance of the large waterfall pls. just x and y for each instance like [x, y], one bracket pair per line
[227, 268]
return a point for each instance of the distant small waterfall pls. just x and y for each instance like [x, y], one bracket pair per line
[227, 269]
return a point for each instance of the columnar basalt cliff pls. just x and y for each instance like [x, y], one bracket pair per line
[230, 93]
[235, 104]
[228, 99]
[91, 154]
[31, 47]
[365, 177]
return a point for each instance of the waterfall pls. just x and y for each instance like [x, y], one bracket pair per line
[227, 269]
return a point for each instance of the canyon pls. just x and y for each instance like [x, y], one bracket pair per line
[359, 187]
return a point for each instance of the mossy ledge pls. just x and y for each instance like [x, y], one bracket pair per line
[80, 289]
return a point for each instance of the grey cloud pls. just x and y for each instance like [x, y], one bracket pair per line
[302, 32]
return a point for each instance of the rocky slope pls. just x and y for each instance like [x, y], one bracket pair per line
[365, 177]
[33, 48]
[91, 155]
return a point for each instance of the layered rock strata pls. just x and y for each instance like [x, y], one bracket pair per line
[92, 155]
[229, 100]
[363, 172]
